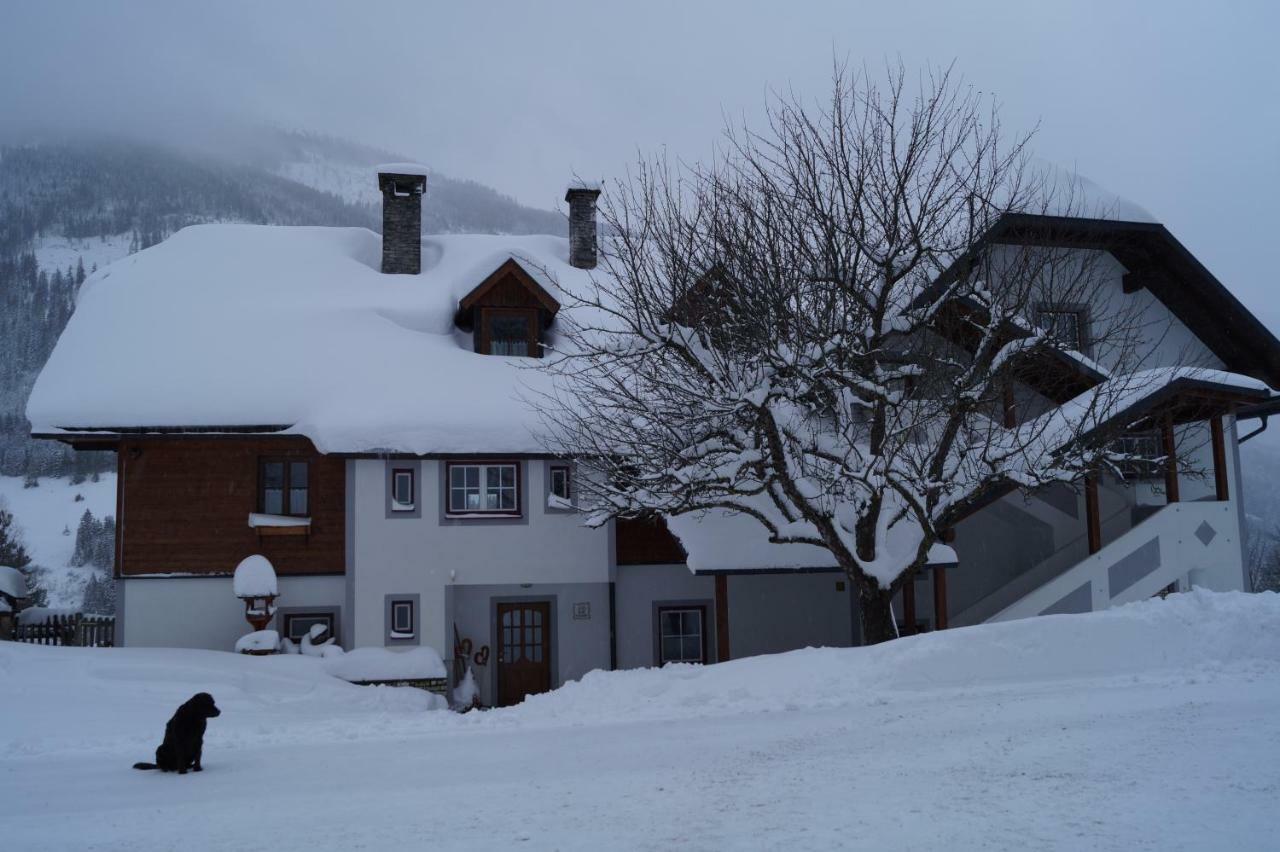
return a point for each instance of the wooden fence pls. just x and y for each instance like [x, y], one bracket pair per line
[76, 629]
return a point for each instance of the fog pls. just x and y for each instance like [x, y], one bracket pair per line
[1173, 105]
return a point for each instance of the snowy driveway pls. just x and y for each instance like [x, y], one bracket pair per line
[1133, 757]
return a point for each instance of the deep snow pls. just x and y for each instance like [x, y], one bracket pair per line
[43, 513]
[1153, 726]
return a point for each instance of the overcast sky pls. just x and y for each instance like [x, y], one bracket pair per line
[1174, 105]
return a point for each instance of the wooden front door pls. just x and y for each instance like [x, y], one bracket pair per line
[524, 650]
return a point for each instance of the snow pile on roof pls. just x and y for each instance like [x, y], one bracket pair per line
[402, 169]
[258, 640]
[254, 578]
[1068, 193]
[12, 582]
[1184, 631]
[372, 664]
[245, 325]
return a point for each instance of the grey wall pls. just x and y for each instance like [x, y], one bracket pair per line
[637, 588]
[578, 645]
[202, 612]
[769, 613]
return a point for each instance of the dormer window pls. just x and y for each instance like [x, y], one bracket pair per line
[506, 331]
[508, 312]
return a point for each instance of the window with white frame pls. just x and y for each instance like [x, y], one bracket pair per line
[484, 488]
[681, 635]
[402, 490]
[402, 619]
[560, 482]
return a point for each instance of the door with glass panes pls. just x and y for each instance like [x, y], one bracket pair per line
[524, 650]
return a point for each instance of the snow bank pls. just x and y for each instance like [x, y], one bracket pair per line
[254, 578]
[1195, 630]
[387, 664]
[12, 582]
[342, 339]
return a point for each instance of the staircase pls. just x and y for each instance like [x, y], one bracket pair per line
[1174, 541]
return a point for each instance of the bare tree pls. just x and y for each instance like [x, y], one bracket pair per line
[815, 331]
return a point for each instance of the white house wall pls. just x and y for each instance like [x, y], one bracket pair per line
[424, 554]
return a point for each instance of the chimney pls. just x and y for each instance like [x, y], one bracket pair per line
[402, 186]
[582, 225]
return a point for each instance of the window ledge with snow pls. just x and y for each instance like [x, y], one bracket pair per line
[397, 506]
[279, 524]
[562, 504]
[479, 516]
[402, 634]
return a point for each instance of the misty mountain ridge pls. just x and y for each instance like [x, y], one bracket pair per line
[69, 206]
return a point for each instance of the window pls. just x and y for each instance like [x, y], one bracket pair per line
[1066, 327]
[283, 487]
[1138, 456]
[508, 332]
[402, 620]
[681, 637]
[484, 488]
[560, 481]
[299, 624]
[402, 490]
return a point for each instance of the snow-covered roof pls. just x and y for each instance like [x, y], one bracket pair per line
[254, 578]
[402, 169]
[241, 325]
[12, 582]
[720, 540]
[1068, 193]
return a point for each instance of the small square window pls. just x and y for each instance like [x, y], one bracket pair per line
[402, 490]
[402, 620]
[284, 487]
[1065, 327]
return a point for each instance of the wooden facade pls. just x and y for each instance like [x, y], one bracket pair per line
[647, 541]
[183, 507]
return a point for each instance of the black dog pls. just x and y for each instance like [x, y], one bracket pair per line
[184, 736]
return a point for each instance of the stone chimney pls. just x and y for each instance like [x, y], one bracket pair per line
[402, 186]
[582, 225]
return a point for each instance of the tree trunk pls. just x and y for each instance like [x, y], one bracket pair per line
[875, 608]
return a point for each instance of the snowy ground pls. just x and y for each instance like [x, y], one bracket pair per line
[1152, 727]
[44, 513]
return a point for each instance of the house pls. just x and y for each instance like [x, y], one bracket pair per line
[357, 410]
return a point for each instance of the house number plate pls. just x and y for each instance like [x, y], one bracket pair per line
[582, 610]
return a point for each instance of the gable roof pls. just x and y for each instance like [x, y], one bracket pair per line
[514, 270]
[1155, 260]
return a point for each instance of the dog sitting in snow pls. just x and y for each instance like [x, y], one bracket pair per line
[184, 736]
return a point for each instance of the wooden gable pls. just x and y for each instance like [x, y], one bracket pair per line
[508, 286]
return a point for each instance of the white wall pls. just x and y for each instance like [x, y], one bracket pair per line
[202, 612]
[420, 555]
